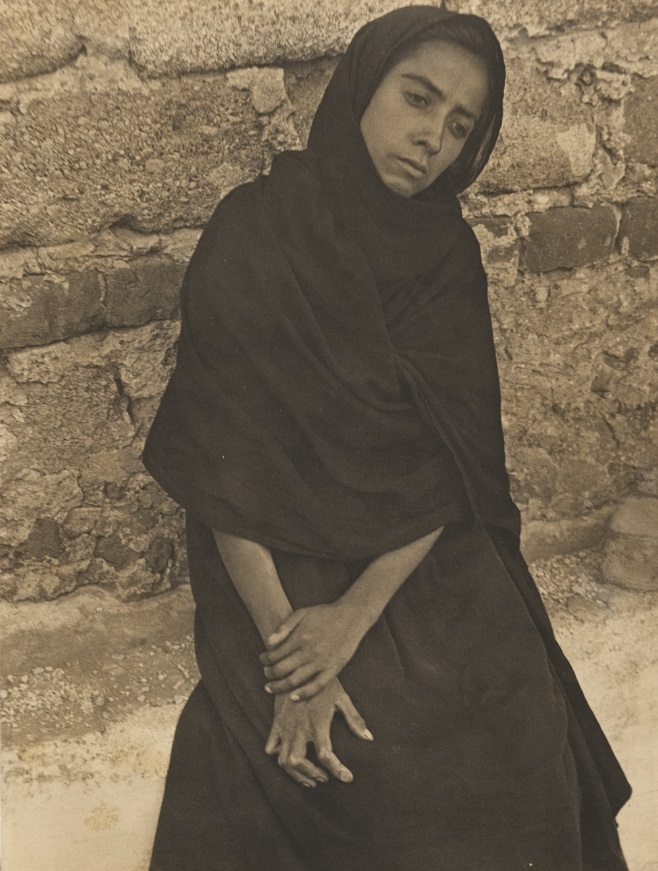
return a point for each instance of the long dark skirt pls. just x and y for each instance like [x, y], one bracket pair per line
[479, 762]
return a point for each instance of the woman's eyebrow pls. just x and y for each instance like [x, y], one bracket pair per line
[439, 93]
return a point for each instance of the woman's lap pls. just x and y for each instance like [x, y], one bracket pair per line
[469, 767]
[217, 817]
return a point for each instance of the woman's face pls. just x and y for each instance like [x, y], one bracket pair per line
[421, 114]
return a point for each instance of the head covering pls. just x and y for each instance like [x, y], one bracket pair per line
[335, 130]
[336, 389]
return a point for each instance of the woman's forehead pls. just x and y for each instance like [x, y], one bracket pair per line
[443, 56]
[442, 67]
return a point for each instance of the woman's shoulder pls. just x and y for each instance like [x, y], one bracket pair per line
[466, 251]
[292, 175]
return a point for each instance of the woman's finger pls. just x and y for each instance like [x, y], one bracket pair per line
[273, 742]
[334, 766]
[313, 687]
[293, 760]
[286, 667]
[292, 682]
[284, 629]
[287, 648]
[306, 768]
[296, 775]
[353, 718]
[285, 753]
[327, 757]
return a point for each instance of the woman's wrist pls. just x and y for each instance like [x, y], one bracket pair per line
[362, 608]
[268, 620]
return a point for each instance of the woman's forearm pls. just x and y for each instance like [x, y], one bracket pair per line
[314, 644]
[376, 586]
[254, 576]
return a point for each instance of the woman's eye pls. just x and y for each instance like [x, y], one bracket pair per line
[418, 100]
[460, 131]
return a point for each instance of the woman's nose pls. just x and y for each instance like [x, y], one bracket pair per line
[431, 137]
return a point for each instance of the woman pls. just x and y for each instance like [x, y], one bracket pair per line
[332, 428]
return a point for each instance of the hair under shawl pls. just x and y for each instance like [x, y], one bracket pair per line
[336, 389]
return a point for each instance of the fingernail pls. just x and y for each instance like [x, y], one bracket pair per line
[367, 734]
[268, 689]
[345, 776]
[294, 697]
[308, 785]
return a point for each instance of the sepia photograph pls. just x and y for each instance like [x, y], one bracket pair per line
[328, 435]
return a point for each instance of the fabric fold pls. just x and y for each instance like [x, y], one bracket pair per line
[336, 395]
[295, 398]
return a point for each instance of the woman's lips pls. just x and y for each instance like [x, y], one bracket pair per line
[418, 170]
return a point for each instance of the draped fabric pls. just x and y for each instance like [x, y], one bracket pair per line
[336, 396]
[469, 768]
[332, 325]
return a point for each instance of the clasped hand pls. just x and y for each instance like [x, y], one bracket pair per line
[306, 654]
[310, 648]
[296, 725]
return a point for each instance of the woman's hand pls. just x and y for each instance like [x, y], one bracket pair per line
[295, 725]
[311, 647]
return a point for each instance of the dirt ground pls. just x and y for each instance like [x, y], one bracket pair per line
[92, 688]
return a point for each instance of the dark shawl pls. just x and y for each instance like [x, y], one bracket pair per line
[336, 390]
[330, 328]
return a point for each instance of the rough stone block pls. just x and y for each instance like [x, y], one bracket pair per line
[99, 147]
[30, 496]
[187, 35]
[631, 554]
[647, 484]
[637, 517]
[17, 262]
[266, 87]
[168, 37]
[569, 237]
[305, 84]
[79, 394]
[115, 552]
[44, 540]
[147, 290]
[539, 112]
[633, 46]
[38, 309]
[577, 351]
[542, 539]
[639, 228]
[535, 17]
[499, 245]
[36, 36]
[562, 52]
[119, 278]
[77, 506]
[641, 122]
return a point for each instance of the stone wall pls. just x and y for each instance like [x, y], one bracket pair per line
[122, 126]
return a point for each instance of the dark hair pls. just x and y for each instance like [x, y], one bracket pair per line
[476, 36]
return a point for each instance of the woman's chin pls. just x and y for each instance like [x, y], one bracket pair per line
[401, 186]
